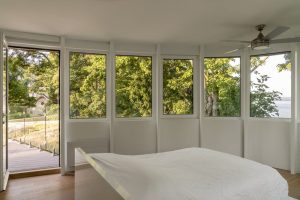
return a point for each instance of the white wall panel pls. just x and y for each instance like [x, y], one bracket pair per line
[134, 137]
[87, 130]
[91, 136]
[180, 49]
[177, 134]
[268, 142]
[85, 44]
[223, 135]
[135, 48]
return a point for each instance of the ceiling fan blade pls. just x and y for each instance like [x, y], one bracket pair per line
[232, 51]
[237, 41]
[285, 40]
[277, 31]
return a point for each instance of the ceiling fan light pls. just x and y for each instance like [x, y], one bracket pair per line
[260, 44]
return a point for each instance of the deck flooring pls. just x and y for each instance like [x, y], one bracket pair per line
[23, 158]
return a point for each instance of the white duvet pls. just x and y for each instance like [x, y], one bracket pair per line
[192, 173]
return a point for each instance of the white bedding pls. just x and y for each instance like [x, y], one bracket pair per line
[192, 173]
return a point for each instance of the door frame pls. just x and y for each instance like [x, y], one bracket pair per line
[34, 47]
[3, 172]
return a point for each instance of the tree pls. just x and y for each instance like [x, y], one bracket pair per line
[31, 73]
[222, 87]
[87, 85]
[263, 101]
[133, 86]
[177, 86]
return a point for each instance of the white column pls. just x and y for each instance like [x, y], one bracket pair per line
[156, 89]
[201, 91]
[111, 91]
[64, 91]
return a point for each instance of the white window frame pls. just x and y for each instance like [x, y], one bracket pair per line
[195, 87]
[108, 74]
[153, 79]
[241, 90]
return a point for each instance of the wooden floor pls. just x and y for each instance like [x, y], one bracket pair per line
[57, 187]
[294, 183]
[49, 187]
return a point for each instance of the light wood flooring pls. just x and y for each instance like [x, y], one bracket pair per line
[48, 187]
[57, 187]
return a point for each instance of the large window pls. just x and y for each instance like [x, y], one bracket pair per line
[87, 85]
[271, 86]
[133, 86]
[222, 87]
[177, 86]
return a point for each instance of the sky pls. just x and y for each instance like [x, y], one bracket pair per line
[278, 81]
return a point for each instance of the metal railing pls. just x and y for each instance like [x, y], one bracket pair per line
[36, 130]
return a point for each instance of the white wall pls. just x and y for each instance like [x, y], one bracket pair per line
[223, 134]
[177, 134]
[134, 137]
[268, 142]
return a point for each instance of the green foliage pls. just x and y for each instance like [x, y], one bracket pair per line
[222, 84]
[287, 65]
[32, 72]
[262, 101]
[177, 87]
[87, 85]
[133, 86]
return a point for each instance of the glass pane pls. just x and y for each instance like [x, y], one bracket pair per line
[271, 86]
[133, 86]
[87, 85]
[33, 99]
[222, 87]
[177, 86]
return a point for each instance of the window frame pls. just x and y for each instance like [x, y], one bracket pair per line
[204, 89]
[107, 89]
[249, 86]
[194, 115]
[114, 94]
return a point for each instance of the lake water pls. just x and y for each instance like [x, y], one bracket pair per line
[284, 108]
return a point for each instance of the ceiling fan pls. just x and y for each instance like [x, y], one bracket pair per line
[262, 42]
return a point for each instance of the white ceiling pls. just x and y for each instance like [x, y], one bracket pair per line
[155, 21]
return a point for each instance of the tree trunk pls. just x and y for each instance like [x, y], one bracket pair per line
[215, 104]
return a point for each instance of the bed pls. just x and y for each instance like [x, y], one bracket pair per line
[186, 174]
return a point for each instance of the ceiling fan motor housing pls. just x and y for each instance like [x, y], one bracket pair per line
[260, 42]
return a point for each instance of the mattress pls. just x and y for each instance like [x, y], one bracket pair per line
[191, 173]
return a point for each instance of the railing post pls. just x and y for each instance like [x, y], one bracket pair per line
[45, 131]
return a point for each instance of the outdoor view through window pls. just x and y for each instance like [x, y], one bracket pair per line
[222, 87]
[87, 85]
[133, 86]
[33, 108]
[177, 87]
[271, 86]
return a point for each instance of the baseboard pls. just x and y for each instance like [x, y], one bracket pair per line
[33, 173]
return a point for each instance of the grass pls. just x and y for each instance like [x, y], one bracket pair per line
[37, 135]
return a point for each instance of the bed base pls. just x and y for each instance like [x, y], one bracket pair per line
[89, 183]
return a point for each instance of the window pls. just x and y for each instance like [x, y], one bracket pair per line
[87, 85]
[133, 86]
[271, 86]
[177, 86]
[222, 87]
